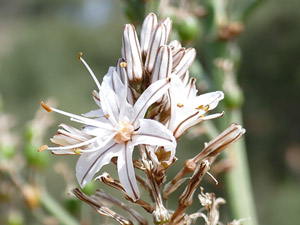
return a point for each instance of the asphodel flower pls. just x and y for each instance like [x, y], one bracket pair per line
[188, 109]
[113, 130]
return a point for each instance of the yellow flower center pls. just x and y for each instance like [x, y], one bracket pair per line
[124, 132]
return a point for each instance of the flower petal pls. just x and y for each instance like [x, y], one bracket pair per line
[126, 171]
[191, 121]
[149, 96]
[75, 131]
[64, 139]
[90, 163]
[96, 131]
[211, 99]
[77, 145]
[63, 152]
[94, 113]
[109, 100]
[152, 132]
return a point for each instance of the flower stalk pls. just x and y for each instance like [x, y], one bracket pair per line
[186, 198]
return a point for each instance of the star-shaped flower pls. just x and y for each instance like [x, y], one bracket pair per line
[113, 131]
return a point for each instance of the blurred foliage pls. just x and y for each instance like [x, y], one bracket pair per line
[39, 42]
[270, 77]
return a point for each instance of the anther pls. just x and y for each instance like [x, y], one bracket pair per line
[47, 108]
[205, 108]
[123, 64]
[77, 151]
[79, 56]
[200, 107]
[107, 116]
[179, 105]
[42, 148]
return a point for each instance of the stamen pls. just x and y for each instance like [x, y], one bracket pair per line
[42, 148]
[79, 56]
[75, 145]
[90, 70]
[123, 64]
[179, 105]
[212, 177]
[107, 116]
[47, 108]
[80, 119]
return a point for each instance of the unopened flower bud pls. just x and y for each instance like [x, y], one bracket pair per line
[163, 64]
[233, 133]
[131, 53]
[175, 46]
[168, 22]
[177, 56]
[185, 62]
[149, 23]
[158, 38]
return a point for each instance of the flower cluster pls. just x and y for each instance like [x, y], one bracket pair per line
[147, 101]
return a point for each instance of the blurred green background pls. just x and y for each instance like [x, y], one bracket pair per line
[39, 43]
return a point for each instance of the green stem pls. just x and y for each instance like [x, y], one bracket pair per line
[238, 180]
[56, 210]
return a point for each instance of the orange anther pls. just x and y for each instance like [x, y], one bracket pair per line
[79, 56]
[200, 107]
[47, 108]
[42, 148]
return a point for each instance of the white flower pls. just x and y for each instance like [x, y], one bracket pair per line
[114, 130]
[187, 108]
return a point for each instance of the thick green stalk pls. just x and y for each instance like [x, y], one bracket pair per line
[238, 179]
[56, 210]
[224, 74]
